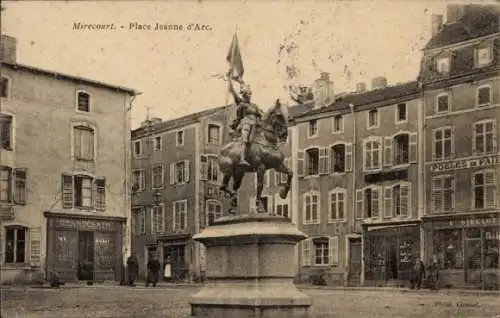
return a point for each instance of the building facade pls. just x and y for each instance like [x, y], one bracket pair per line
[358, 181]
[64, 174]
[461, 99]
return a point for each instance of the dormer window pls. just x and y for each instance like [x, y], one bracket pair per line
[83, 101]
[483, 56]
[443, 65]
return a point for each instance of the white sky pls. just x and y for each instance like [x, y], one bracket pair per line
[174, 69]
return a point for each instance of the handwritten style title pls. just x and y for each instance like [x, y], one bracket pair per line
[136, 26]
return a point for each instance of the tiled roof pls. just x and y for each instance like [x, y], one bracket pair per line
[365, 100]
[33, 69]
[477, 21]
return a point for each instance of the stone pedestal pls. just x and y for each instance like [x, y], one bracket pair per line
[250, 267]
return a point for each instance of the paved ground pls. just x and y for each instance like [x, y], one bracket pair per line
[139, 302]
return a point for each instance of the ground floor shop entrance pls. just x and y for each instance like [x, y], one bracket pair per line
[83, 247]
[467, 247]
[355, 264]
[390, 252]
[175, 256]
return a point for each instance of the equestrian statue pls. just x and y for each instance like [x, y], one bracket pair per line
[255, 145]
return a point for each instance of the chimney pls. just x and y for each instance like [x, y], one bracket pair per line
[454, 12]
[8, 49]
[436, 24]
[379, 82]
[323, 90]
[360, 88]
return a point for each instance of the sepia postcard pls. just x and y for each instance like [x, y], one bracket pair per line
[250, 158]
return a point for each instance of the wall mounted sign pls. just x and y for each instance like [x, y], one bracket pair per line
[486, 161]
[467, 221]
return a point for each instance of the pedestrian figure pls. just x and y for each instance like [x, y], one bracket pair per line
[132, 268]
[167, 272]
[418, 274]
[153, 271]
[433, 272]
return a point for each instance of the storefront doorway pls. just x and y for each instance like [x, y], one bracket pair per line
[85, 255]
[354, 274]
[175, 254]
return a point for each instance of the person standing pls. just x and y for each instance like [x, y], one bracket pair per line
[132, 268]
[153, 271]
[418, 274]
[433, 272]
[167, 271]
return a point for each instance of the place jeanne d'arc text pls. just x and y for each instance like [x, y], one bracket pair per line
[137, 26]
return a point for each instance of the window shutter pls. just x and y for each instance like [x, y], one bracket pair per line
[300, 164]
[413, 148]
[333, 246]
[348, 157]
[186, 170]
[376, 201]
[437, 200]
[388, 151]
[67, 191]
[359, 204]
[490, 189]
[493, 123]
[93, 199]
[388, 202]
[20, 178]
[35, 245]
[405, 199]
[303, 252]
[172, 173]
[2, 243]
[323, 161]
[204, 168]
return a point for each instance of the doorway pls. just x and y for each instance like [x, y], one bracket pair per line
[175, 254]
[85, 255]
[354, 274]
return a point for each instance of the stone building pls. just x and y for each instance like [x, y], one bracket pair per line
[64, 186]
[461, 96]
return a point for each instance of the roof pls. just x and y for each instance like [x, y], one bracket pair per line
[365, 100]
[70, 78]
[477, 21]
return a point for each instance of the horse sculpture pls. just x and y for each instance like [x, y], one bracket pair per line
[263, 154]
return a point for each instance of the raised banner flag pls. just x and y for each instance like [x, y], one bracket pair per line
[234, 58]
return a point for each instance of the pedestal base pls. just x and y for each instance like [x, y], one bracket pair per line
[277, 299]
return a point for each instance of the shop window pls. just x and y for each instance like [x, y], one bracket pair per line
[15, 245]
[491, 248]
[448, 248]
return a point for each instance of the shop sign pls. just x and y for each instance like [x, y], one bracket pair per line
[471, 221]
[87, 225]
[466, 163]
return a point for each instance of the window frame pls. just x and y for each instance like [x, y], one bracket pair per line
[316, 133]
[380, 150]
[11, 121]
[490, 95]
[175, 216]
[377, 118]
[142, 179]
[154, 210]
[27, 244]
[176, 134]
[442, 193]
[474, 137]
[8, 170]
[88, 127]
[336, 192]
[77, 106]
[401, 121]
[8, 87]
[93, 191]
[141, 153]
[214, 203]
[484, 185]
[323, 249]
[341, 130]
[448, 60]
[306, 161]
[207, 133]
[318, 207]
[436, 103]
[452, 141]
[157, 143]
[488, 47]
[394, 139]
[153, 176]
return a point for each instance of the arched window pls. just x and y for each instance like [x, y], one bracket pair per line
[401, 149]
[312, 161]
[83, 101]
[214, 211]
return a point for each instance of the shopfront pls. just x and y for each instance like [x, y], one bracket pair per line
[176, 250]
[84, 248]
[390, 251]
[467, 247]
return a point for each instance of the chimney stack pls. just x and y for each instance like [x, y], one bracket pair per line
[454, 12]
[379, 82]
[360, 88]
[8, 49]
[323, 90]
[436, 24]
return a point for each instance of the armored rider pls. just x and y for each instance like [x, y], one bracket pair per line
[248, 116]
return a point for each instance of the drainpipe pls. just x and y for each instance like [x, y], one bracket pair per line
[421, 151]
